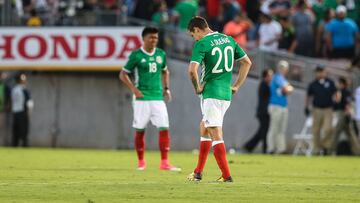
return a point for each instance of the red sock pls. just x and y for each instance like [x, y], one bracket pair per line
[220, 156]
[164, 144]
[140, 144]
[205, 146]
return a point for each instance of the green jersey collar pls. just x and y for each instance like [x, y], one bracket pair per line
[147, 53]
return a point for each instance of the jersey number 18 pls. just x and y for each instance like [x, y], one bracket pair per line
[228, 63]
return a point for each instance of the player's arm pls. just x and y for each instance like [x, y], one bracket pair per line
[124, 77]
[194, 77]
[165, 74]
[245, 65]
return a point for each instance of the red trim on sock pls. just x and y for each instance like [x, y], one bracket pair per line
[164, 144]
[220, 156]
[140, 144]
[204, 149]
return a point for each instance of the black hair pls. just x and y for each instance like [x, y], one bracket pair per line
[198, 22]
[149, 30]
[343, 81]
[18, 77]
[265, 73]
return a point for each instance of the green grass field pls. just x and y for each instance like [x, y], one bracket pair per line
[64, 175]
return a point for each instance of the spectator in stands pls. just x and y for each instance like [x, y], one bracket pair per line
[144, 9]
[278, 109]
[213, 14]
[228, 10]
[4, 108]
[262, 113]
[21, 105]
[287, 41]
[344, 118]
[238, 28]
[303, 23]
[34, 20]
[183, 12]
[280, 8]
[341, 35]
[269, 33]
[161, 16]
[253, 10]
[321, 49]
[321, 93]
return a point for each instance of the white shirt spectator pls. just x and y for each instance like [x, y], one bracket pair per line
[357, 98]
[269, 32]
[18, 100]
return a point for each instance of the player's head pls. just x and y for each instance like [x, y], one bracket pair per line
[150, 37]
[198, 27]
[283, 67]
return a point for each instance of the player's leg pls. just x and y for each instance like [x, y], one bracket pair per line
[159, 117]
[141, 118]
[214, 111]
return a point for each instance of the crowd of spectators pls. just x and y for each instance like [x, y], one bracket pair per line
[314, 28]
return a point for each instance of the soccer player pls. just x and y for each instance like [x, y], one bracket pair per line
[217, 53]
[151, 86]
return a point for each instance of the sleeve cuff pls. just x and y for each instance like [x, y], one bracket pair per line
[126, 70]
[194, 62]
[241, 57]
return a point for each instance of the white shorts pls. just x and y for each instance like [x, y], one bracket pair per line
[154, 111]
[213, 111]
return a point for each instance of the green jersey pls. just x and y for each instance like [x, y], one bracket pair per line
[147, 68]
[217, 53]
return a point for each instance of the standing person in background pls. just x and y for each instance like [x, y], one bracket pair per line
[238, 28]
[184, 10]
[4, 108]
[21, 105]
[321, 93]
[34, 20]
[287, 41]
[151, 86]
[357, 106]
[341, 35]
[262, 113]
[269, 33]
[303, 21]
[344, 118]
[321, 49]
[278, 109]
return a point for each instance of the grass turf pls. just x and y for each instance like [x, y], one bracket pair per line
[64, 175]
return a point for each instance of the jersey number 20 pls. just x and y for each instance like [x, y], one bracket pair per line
[228, 64]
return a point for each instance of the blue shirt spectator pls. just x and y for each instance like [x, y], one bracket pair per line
[342, 32]
[277, 97]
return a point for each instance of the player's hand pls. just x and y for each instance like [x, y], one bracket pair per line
[138, 94]
[167, 95]
[200, 89]
[234, 89]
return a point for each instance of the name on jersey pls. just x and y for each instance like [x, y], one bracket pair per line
[222, 40]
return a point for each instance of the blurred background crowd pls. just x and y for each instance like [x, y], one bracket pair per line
[304, 27]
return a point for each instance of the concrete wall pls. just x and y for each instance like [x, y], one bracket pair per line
[94, 110]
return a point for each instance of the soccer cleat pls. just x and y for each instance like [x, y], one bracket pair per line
[168, 167]
[141, 165]
[195, 176]
[223, 180]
